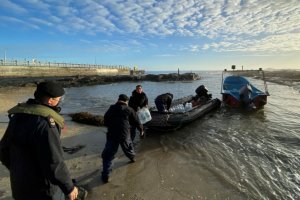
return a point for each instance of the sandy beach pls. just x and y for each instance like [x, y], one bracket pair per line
[128, 181]
[81, 163]
[85, 165]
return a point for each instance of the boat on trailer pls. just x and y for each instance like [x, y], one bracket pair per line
[175, 119]
[238, 92]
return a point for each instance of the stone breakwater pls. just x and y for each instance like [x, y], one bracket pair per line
[84, 80]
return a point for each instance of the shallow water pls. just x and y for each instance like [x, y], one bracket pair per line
[228, 154]
[255, 154]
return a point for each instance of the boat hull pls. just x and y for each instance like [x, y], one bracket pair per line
[231, 101]
[173, 121]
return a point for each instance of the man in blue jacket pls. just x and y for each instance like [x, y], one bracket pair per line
[31, 147]
[118, 119]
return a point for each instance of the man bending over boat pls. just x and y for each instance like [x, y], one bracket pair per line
[163, 102]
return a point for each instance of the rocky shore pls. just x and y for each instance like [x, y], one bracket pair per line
[77, 81]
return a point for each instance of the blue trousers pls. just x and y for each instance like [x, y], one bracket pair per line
[110, 150]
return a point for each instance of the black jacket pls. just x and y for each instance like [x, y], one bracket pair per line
[165, 99]
[138, 100]
[31, 150]
[118, 119]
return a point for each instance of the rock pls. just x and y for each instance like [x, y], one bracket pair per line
[87, 118]
[172, 77]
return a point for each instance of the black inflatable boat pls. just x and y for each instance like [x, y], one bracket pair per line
[176, 118]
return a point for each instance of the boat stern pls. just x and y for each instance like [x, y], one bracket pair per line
[260, 101]
[230, 100]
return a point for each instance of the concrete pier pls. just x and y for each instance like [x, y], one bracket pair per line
[38, 71]
[36, 68]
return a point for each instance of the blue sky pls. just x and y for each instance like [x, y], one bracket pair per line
[154, 35]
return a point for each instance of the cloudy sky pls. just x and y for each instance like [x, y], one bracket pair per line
[153, 34]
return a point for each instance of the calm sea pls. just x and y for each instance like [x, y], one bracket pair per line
[252, 155]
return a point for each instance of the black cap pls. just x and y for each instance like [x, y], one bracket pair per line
[123, 97]
[50, 88]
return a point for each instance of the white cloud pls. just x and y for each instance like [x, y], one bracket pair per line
[260, 25]
[13, 20]
[165, 55]
[65, 11]
[12, 7]
[194, 48]
[55, 19]
[273, 43]
[40, 21]
[39, 5]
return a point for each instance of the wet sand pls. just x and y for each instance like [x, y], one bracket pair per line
[139, 180]
[82, 163]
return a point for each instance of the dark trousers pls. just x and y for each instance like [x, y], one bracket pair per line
[110, 150]
[160, 105]
[132, 132]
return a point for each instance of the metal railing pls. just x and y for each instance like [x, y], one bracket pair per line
[35, 63]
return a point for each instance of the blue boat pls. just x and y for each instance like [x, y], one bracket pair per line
[238, 92]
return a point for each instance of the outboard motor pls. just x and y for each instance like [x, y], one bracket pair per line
[202, 93]
[245, 96]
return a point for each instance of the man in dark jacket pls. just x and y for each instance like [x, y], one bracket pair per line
[31, 147]
[118, 119]
[163, 102]
[137, 100]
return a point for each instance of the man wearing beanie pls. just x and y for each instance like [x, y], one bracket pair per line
[118, 119]
[31, 147]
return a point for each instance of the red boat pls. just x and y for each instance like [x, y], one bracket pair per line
[238, 92]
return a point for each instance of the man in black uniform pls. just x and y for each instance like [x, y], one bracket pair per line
[137, 100]
[118, 119]
[31, 147]
[163, 102]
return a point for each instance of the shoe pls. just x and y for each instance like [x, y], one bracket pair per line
[105, 178]
[132, 160]
[82, 193]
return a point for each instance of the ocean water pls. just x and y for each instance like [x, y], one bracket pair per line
[229, 153]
